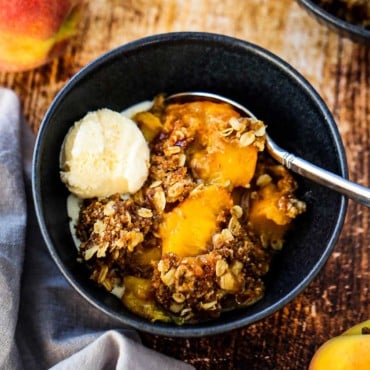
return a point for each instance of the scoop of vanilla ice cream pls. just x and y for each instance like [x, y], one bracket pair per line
[102, 154]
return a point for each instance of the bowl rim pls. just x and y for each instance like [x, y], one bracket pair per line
[338, 23]
[202, 329]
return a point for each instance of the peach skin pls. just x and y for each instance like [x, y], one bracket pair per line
[32, 32]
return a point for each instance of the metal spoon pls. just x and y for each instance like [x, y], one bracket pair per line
[359, 193]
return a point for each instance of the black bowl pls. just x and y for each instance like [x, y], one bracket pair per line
[354, 32]
[297, 119]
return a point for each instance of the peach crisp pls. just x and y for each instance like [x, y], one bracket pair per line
[198, 237]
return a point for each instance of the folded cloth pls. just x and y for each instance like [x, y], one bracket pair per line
[44, 323]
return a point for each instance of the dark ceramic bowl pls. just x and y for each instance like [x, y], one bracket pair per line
[297, 119]
[354, 32]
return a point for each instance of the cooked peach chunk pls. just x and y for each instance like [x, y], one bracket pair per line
[231, 165]
[138, 298]
[201, 118]
[267, 217]
[149, 124]
[145, 257]
[225, 146]
[188, 229]
[267, 205]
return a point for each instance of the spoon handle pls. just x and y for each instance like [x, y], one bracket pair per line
[359, 193]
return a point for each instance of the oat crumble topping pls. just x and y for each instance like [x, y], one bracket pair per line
[122, 236]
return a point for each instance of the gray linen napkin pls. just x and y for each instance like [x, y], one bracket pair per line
[43, 322]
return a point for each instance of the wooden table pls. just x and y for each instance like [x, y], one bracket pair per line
[340, 72]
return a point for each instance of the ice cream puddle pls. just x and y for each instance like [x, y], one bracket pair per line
[73, 210]
[137, 108]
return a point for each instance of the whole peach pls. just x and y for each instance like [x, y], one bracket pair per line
[32, 32]
[349, 351]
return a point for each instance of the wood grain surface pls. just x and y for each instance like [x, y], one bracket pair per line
[338, 69]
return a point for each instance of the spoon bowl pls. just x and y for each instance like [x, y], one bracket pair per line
[360, 194]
